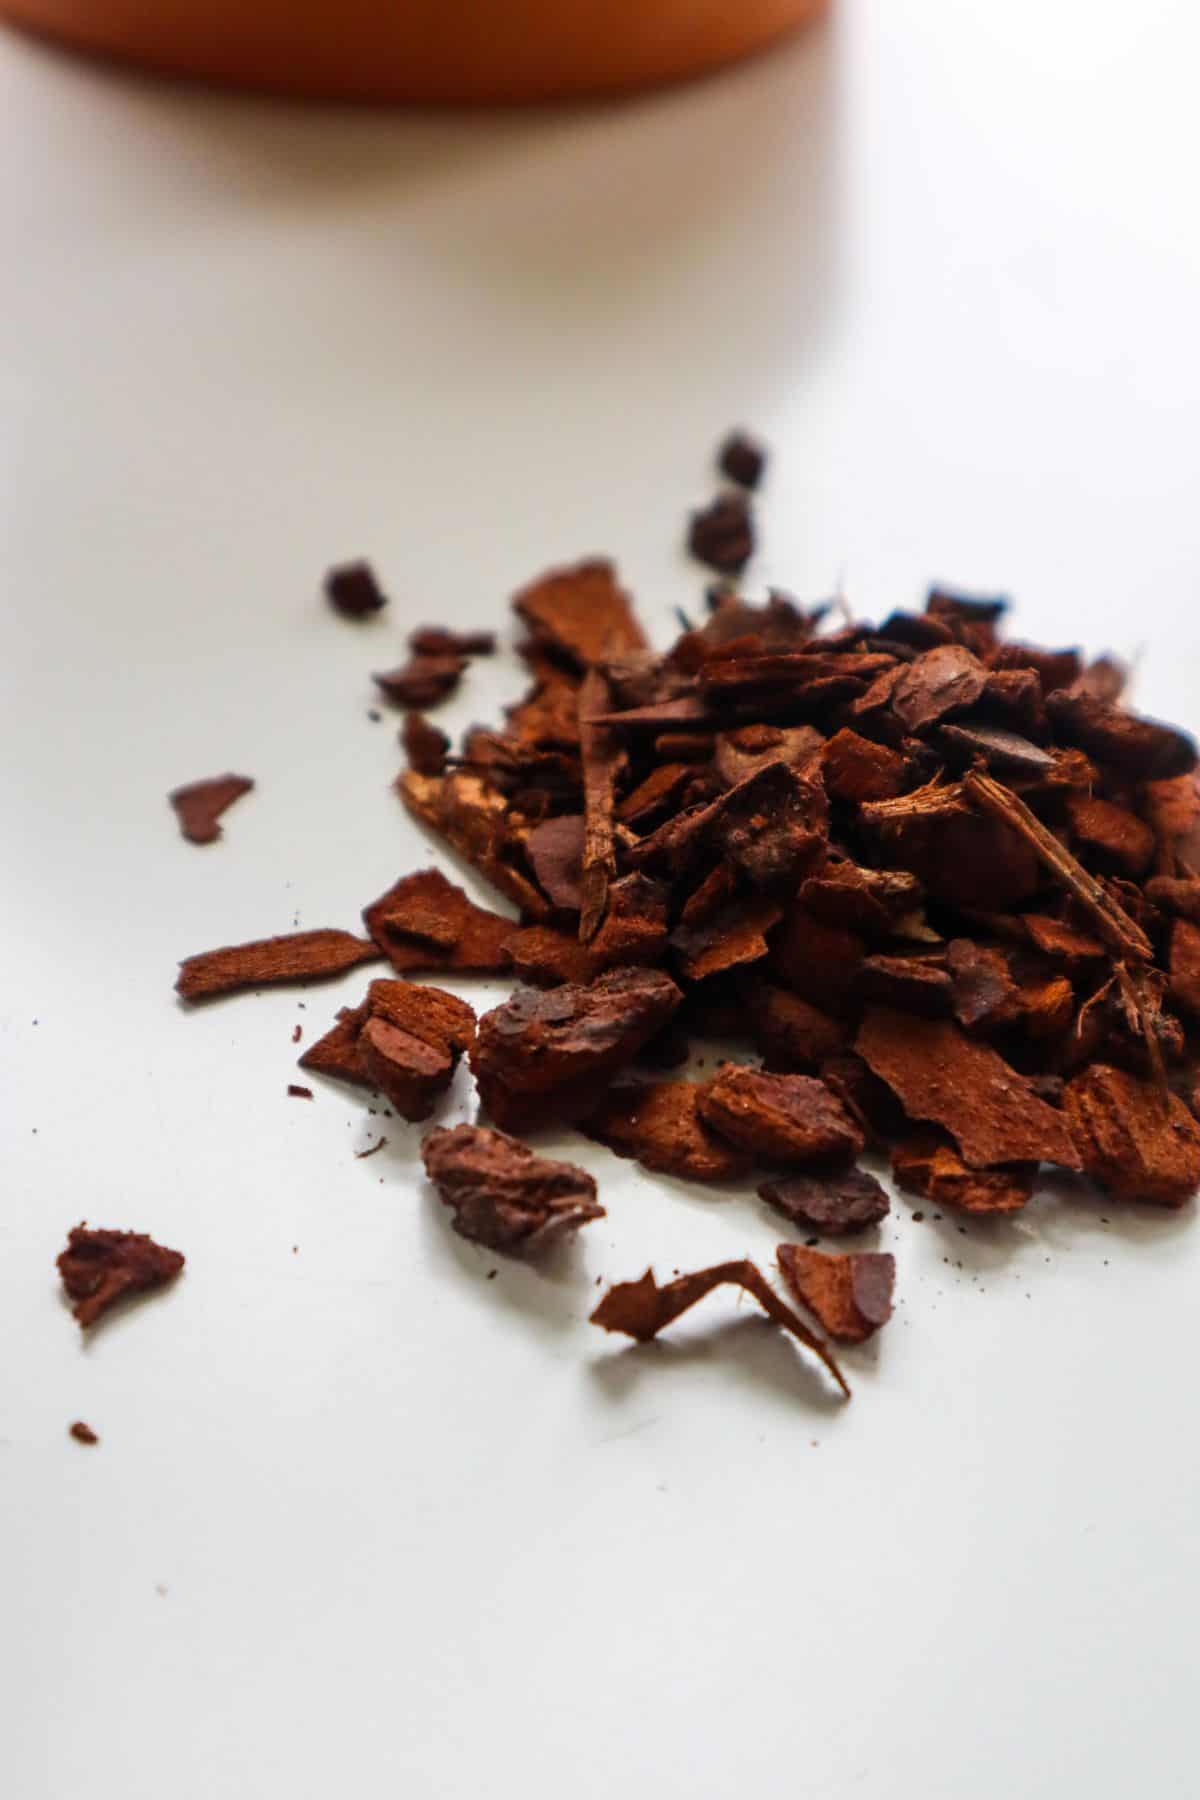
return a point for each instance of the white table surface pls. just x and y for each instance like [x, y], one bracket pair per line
[363, 1521]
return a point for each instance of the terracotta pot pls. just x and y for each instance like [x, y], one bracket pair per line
[421, 50]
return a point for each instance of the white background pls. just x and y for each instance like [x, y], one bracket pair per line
[363, 1521]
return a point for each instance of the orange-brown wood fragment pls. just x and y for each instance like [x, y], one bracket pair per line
[300, 956]
[1134, 1138]
[942, 1076]
[928, 1164]
[659, 1124]
[199, 805]
[850, 1292]
[100, 1267]
[729, 940]
[502, 1194]
[582, 613]
[780, 1118]
[424, 921]
[546, 1055]
[641, 1309]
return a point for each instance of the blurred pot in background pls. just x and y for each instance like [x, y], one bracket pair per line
[422, 50]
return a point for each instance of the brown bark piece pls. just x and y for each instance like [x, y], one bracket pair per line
[730, 940]
[928, 1164]
[424, 745]
[780, 1118]
[404, 1039]
[659, 1125]
[421, 681]
[1133, 1138]
[1054, 938]
[581, 613]
[1113, 923]
[301, 956]
[472, 813]
[742, 458]
[437, 640]
[546, 957]
[601, 762]
[100, 1267]
[791, 1034]
[817, 961]
[872, 901]
[940, 682]
[426, 922]
[849, 1292]
[545, 1055]
[983, 992]
[199, 805]
[641, 1309]
[722, 534]
[555, 852]
[1140, 748]
[1117, 838]
[83, 1433]
[1184, 962]
[915, 984]
[744, 751]
[409, 1071]
[502, 1194]
[943, 1076]
[836, 1203]
[635, 925]
[654, 796]
[771, 828]
[337, 1053]
[353, 591]
[963, 857]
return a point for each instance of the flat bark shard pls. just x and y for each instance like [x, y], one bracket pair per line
[659, 1124]
[424, 921]
[942, 1076]
[835, 1203]
[199, 805]
[100, 1267]
[502, 1194]
[300, 956]
[780, 1118]
[641, 1309]
[405, 1040]
[581, 613]
[849, 1292]
[544, 1055]
[928, 1164]
[1134, 1139]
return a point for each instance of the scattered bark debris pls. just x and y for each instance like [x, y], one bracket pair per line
[100, 1267]
[371, 1149]
[199, 806]
[83, 1433]
[297, 1092]
[502, 1194]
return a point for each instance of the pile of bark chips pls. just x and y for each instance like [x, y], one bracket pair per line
[942, 886]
